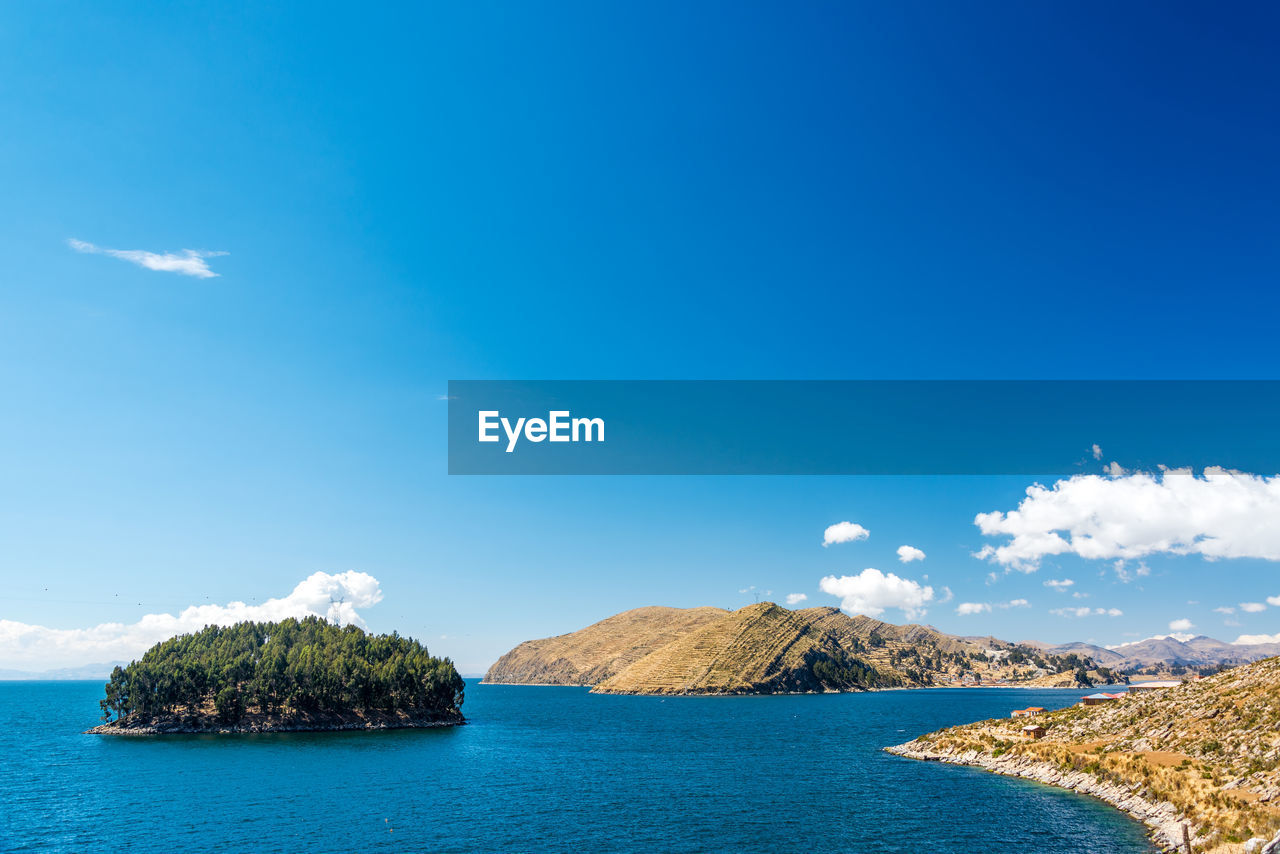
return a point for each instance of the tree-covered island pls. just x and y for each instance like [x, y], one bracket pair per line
[293, 675]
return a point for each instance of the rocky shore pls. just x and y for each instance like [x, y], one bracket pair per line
[330, 722]
[1162, 818]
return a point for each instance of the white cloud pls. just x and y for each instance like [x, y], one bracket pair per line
[1245, 640]
[906, 554]
[844, 532]
[1059, 585]
[1252, 607]
[1181, 638]
[188, 262]
[30, 647]
[1114, 469]
[1222, 514]
[871, 592]
[1224, 609]
[967, 608]
[1125, 575]
[1087, 612]
[1097, 451]
[1274, 601]
[796, 598]
[1182, 625]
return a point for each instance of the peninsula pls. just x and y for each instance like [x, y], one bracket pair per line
[768, 649]
[1204, 757]
[290, 676]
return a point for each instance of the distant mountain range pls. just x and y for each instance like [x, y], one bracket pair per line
[764, 649]
[1166, 651]
[87, 671]
[598, 652]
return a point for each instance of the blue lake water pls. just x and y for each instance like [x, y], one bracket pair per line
[543, 769]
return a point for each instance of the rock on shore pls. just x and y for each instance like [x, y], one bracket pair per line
[326, 722]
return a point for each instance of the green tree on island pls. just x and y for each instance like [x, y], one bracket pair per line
[282, 669]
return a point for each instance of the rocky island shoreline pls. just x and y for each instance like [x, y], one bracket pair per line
[1199, 764]
[1162, 818]
[325, 722]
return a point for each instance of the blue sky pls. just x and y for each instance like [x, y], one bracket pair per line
[427, 193]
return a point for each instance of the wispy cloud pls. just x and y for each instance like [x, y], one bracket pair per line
[796, 598]
[30, 647]
[188, 262]
[1087, 612]
[1252, 639]
[1125, 575]
[968, 608]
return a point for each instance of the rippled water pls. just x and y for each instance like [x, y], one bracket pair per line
[542, 769]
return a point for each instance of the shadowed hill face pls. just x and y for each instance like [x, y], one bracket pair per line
[591, 655]
[761, 648]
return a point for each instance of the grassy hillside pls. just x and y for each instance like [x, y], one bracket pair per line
[593, 654]
[1209, 749]
[764, 648]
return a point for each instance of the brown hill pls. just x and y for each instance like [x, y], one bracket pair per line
[593, 654]
[764, 648]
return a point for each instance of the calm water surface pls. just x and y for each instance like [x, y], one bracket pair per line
[542, 769]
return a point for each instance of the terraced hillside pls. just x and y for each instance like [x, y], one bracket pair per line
[765, 648]
[593, 654]
[1206, 754]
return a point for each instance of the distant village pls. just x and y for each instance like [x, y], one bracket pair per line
[1035, 731]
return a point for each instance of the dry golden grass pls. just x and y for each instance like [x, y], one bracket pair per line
[1210, 748]
[593, 654]
[759, 649]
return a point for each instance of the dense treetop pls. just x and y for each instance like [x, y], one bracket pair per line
[282, 669]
